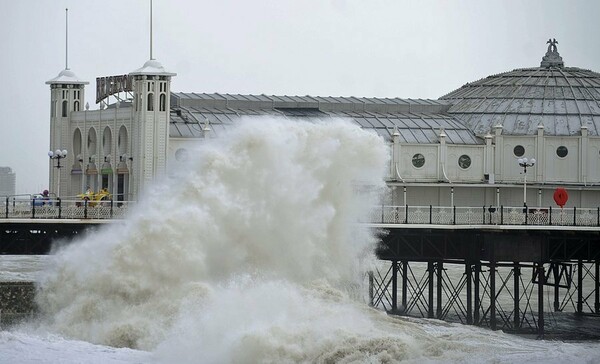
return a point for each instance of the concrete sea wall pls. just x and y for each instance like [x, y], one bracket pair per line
[16, 302]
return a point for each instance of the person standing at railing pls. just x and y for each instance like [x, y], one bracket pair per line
[45, 197]
[42, 199]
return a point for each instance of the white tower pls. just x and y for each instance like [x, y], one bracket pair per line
[152, 93]
[151, 90]
[67, 94]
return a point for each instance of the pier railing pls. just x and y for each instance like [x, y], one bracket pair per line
[63, 209]
[486, 215]
[434, 215]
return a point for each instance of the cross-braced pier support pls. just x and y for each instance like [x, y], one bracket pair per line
[512, 279]
[514, 297]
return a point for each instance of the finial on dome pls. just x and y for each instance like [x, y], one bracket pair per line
[552, 57]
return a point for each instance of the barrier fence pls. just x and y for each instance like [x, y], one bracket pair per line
[56, 208]
[486, 215]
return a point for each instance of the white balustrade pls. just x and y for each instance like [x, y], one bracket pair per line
[485, 215]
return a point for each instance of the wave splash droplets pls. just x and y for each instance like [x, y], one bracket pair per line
[258, 229]
[247, 256]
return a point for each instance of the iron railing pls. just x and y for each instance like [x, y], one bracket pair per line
[56, 208]
[485, 215]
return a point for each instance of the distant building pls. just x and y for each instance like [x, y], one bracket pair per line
[462, 149]
[8, 181]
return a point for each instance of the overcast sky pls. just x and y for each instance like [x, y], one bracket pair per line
[408, 49]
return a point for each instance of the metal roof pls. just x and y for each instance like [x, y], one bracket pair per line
[329, 103]
[413, 127]
[562, 99]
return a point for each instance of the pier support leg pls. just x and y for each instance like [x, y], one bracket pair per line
[597, 287]
[394, 286]
[404, 285]
[579, 286]
[469, 274]
[430, 270]
[541, 277]
[440, 279]
[516, 281]
[493, 295]
[476, 292]
[371, 289]
[556, 274]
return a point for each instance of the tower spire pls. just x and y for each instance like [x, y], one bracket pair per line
[67, 38]
[151, 29]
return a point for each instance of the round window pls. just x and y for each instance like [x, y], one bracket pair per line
[464, 161]
[519, 151]
[562, 151]
[418, 160]
[181, 155]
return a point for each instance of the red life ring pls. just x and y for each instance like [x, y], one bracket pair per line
[561, 196]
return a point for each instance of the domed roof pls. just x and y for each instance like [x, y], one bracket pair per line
[562, 99]
[152, 67]
[68, 77]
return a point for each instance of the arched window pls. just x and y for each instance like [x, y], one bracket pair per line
[77, 142]
[150, 102]
[76, 106]
[163, 102]
[91, 144]
[77, 147]
[122, 140]
[106, 141]
[65, 108]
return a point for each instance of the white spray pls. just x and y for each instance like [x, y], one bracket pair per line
[271, 203]
[244, 257]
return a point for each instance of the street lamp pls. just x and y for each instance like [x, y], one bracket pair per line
[58, 155]
[524, 162]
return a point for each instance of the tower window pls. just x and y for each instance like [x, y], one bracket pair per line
[163, 102]
[65, 108]
[76, 106]
[151, 102]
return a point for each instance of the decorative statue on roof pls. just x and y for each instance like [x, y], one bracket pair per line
[552, 57]
[552, 46]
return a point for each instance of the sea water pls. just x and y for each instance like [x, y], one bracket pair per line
[249, 253]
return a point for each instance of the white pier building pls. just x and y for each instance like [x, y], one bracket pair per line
[462, 149]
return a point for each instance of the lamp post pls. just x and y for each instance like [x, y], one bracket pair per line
[58, 155]
[524, 162]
